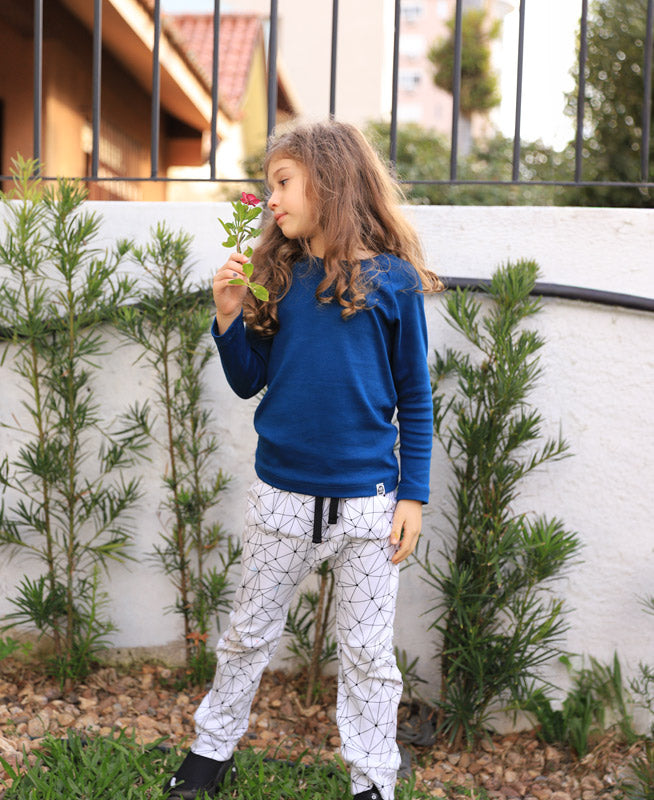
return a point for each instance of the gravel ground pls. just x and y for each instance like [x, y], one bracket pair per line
[144, 701]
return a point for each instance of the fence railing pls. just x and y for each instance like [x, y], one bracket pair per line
[454, 172]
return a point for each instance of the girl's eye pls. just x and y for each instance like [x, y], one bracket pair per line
[283, 182]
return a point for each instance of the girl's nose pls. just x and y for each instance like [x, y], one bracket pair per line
[272, 201]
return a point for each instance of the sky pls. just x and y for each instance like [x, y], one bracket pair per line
[550, 28]
[550, 36]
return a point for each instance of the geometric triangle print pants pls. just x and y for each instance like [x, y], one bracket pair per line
[278, 552]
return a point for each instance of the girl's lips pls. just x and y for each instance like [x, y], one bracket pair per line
[279, 217]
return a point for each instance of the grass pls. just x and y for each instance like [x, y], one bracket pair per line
[102, 768]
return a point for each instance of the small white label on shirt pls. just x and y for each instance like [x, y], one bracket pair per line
[381, 490]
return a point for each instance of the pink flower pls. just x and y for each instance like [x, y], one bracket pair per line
[249, 199]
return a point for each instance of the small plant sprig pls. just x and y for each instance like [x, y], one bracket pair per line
[246, 210]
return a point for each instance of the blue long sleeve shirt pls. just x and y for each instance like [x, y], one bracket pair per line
[326, 421]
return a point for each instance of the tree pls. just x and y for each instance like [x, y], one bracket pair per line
[615, 83]
[479, 88]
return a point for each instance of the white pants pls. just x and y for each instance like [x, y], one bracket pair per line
[278, 553]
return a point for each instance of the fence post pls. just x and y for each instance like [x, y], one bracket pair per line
[38, 82]
[97, 84]
[272, 67]
[155, 113]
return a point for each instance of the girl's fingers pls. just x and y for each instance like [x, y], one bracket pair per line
[236, 259]
[233, 268]
[407, 522]
[225, 275]
[406, 546]
[227, 296]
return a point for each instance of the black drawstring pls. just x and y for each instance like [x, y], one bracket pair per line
[317, 521]
[317, 517]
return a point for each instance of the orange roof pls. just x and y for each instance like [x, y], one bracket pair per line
[239, 36]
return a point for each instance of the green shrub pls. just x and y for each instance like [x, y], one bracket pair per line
[171, 326]
[65, 498]
[597, 700]
[497, 622]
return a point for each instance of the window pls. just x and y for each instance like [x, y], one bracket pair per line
[411, 12]
[412, 45]
[409, 79]
[119, 156]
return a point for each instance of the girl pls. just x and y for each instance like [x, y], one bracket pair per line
[341, 344]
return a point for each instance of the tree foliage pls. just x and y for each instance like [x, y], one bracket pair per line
[479, 86]
[613, 113]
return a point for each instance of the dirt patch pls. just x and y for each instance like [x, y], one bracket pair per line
[144, 700]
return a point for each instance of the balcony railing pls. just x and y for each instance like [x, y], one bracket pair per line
[454, 172]
[99, 175]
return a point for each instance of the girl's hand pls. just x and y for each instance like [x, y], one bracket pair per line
[407, 522]
[229, 298]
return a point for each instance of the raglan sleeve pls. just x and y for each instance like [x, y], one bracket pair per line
[244, 357]
[415, 413]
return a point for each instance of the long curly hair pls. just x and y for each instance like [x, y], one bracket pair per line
[357, 205]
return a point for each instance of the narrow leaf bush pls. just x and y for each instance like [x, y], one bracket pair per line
[496, 620]
[65, 495]
[171, 326]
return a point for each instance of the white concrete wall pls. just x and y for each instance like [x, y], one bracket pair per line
[598, 386]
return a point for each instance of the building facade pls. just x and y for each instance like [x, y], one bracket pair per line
[365, 56]
[124, 146]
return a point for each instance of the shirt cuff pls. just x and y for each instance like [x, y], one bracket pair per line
[229, 333]
[413, 493]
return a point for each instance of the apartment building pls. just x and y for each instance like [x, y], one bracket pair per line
[365, 56]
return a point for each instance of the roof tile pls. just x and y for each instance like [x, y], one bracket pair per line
[238, 38]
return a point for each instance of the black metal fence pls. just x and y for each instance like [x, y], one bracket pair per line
[570, 292]
[454, 176]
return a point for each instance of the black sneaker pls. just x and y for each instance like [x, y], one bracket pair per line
[198, 776]
[369, 794]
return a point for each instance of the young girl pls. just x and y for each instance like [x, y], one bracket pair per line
[341, 345]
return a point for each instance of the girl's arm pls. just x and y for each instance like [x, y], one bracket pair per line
[415, 410]
[244, 356]
[415, 418]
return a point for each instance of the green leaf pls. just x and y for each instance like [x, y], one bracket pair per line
[230, 242]
[248, 251]
[248, 269]
[260, 292]
[237, 282]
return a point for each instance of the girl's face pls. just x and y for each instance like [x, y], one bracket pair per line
[293, 212]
